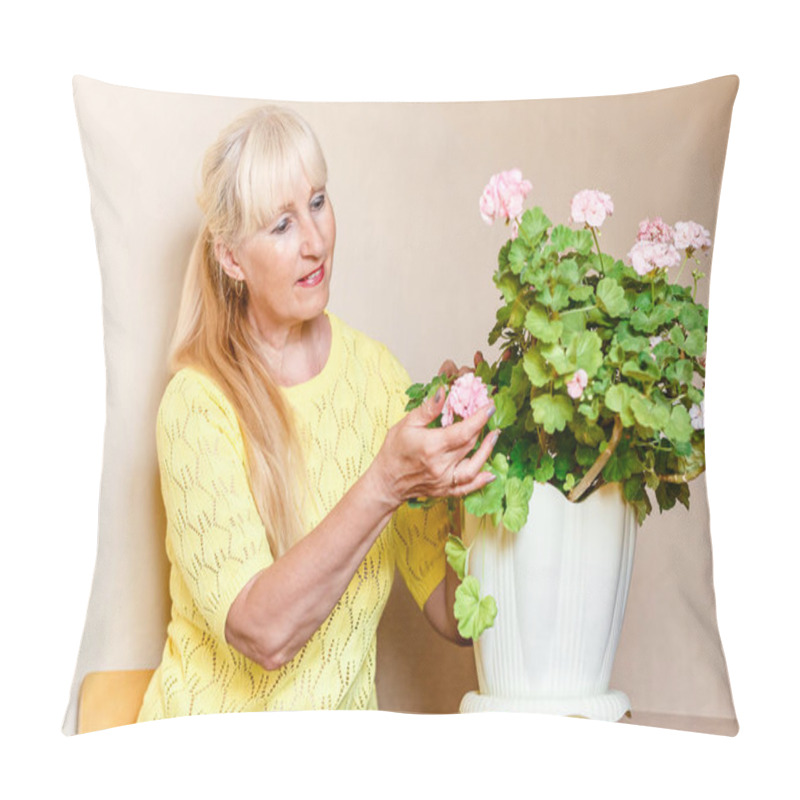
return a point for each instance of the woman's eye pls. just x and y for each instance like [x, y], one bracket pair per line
[318, 202]
[282, 226]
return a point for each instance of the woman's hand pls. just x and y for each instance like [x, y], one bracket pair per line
[417, 461]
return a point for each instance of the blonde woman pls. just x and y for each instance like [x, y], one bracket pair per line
[286, 459]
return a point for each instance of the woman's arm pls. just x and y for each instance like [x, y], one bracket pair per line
[280, 608]
[439, 609]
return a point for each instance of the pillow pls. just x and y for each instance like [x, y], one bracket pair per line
[413, 269]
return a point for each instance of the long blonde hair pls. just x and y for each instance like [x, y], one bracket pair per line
[247, 173]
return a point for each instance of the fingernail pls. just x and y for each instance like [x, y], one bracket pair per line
[438, 395]
[490, 411]
[495, 436]
[492, 476]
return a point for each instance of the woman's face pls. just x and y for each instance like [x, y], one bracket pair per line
[287, 264]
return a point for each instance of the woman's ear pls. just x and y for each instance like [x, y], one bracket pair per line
[227, 260]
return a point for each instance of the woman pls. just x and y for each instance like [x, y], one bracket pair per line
[285, 457]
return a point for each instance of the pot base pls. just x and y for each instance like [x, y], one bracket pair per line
[610, 706]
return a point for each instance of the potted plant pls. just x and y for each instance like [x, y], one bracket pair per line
[598, 394]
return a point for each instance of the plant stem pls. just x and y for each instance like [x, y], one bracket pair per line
[597, 245]
[685, 478]
[582, 308]
[598, 465]
[683, 264]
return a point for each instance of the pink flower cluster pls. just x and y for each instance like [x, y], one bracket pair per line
[654, 230]
[691, 236]
[591, 207]
[577, 383]
[658, 245]
[467, 394]
[647, 255]
[503, 196]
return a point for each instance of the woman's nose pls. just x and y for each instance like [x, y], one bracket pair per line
[312, 243]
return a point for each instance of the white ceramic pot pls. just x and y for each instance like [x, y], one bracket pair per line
[561, 585]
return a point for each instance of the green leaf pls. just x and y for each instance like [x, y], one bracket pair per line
[572, 323]
[509, 287]
[677, 336]
[691, 317]
[519, 386]
[416, 390]
[518, 495]
[695, 343]
[568, 272]
[612, 297]
[585, 456]
[545, 469]
[517, 313]
[584, 241]
[484, 372]
[649, 414]
[679, 427]
[618, 398]
[563, 238]
[633, 488]
[533, 274]
[694, 394]
[553, 412]
[517, 255]
[457, 553]
[533, 225]
[681, 371]
[652, 321]
[629, 342]
[562, 464]
[539, 324]
[554, 297]
[644, 370]
[581, 293]
[539, 374]
[586, 352]
[505, 411]
[557, 358]
[620, 466]
[489, 499]
[474, 613]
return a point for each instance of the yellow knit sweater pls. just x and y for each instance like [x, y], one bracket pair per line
[216, 541]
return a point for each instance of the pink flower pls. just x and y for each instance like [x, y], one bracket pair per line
[503, 196]
[646, 256]
[591, 207]
[655, 230]
[467, 394]
[577, 384]
[691, 236]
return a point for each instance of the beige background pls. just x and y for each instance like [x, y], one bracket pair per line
[413, 268]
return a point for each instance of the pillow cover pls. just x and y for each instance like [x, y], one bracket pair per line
[414, 264]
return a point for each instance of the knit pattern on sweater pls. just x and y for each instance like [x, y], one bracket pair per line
[216, 541]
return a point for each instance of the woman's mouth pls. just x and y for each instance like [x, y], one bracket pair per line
[313, 278]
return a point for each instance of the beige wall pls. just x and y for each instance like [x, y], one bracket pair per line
[413, 268]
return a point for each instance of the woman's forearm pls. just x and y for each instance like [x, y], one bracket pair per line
[281, 607]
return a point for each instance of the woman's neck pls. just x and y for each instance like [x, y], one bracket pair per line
[298, 353]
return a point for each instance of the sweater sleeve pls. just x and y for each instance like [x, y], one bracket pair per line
[215, 538]
[419, 534]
